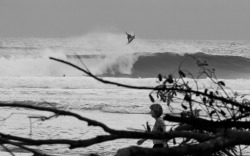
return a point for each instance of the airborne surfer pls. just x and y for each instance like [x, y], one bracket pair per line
[130, 37]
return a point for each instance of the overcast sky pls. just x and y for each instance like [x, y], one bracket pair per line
[156, 19]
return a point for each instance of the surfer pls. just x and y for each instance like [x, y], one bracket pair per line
[130, 37]
[201, 63]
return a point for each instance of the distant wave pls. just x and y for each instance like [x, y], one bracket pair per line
[19, 48]
[124, 109]
[151, 64]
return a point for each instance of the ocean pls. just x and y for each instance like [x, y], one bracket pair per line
[27, 74]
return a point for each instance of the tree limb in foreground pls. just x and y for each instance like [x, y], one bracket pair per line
[224, 135]
[212, 101]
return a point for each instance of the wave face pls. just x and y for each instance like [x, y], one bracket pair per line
[226, 67]
[107, 54]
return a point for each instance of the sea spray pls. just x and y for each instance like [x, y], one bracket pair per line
[111, 55]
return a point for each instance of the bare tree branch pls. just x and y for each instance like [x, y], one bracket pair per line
[35, 152]
[203, 123]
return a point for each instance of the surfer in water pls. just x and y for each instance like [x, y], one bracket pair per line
[130, 37]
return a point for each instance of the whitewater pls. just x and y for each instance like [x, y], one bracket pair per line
[27, 74]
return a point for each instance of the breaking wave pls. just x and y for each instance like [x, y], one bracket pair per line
[107, 54]
[151, 64]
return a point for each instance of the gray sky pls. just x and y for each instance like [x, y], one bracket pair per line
[156, 19]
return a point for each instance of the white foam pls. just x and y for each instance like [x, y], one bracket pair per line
[69, 82]
[15, 153]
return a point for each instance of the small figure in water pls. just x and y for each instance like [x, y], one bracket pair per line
[156, 112]
[201, 63]
[130, 37]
